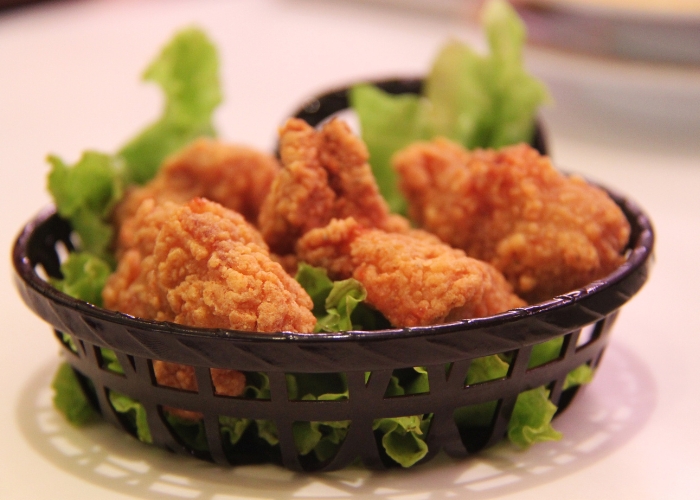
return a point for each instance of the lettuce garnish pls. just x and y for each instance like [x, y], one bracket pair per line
[403, 438]
[475, 100]
[187, 71]
[134, 413]
[69, 397]
[532, 414]
[338, 305]
[84, 277]
[85, 193]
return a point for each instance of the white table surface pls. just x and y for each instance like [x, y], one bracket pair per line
[69, 80]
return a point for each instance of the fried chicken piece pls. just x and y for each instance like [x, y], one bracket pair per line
[413, 281]
[132, 288]
[237, 177]
[546, 232]
[212, 270]
[325, 175]
[216, 280]
[207, 268]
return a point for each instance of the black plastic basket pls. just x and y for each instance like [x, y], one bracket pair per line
[582, 319]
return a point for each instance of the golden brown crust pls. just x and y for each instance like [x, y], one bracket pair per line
[413, 281]
[236, 177]
[325, 175]
[546, 232]
[208, 268]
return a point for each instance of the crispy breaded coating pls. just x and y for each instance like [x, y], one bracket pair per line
[212, 270]
[236, 177]
[215, 280]
[413, 281]
[546, 232]
[207, 268]
[132, 288]
[325, 175]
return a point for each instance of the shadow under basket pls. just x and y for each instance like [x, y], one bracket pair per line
[361, 363]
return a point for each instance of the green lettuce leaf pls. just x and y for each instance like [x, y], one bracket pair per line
[578, 376]
[191, 432]
[69, 398]
[389, 123]
[548, 351]
[545, 352]
[257, 386]
[316, 387]
[187, 70]
[233, 428]
[406, 381]
[110, 361]
[84, 194]
[486, 368]
[403, 438]
[267, 431]
[342, 300]
[486, 101]
[516, 94]
[338, 306]
[321, 438]
[531, 419]
[84, 277]
[475, 100]
[135, 414]
[316, 283]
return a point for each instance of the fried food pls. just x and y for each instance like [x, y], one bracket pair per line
[236, 177]
[325, 175]
[207, 267]
[413, 281]
[546, 232]
[133, 289]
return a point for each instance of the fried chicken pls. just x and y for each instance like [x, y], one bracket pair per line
[205, 267]
[211, 269]
[325, 175]
[546, 232]
[413, 281]
[237, 177]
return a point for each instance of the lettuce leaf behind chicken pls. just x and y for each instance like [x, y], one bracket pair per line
[84, 277]
[338, 305]
[473, 99]
[69, 398]
[187, 70]
[86, 192]
[389, 123]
